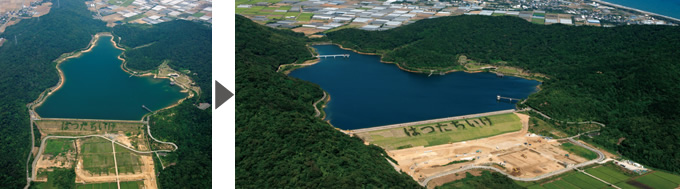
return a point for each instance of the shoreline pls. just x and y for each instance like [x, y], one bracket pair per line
[317, 60]
[445, 72]
[636, 10]
[62, 79]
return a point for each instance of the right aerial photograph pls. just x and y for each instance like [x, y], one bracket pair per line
[457, 94]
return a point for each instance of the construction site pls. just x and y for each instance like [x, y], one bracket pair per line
[100, 151]
[520, 154]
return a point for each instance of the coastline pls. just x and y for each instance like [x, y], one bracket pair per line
[637, 10]
[45, 94]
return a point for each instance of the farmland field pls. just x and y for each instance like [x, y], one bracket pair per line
[128, 162]
[305, 17]
[607, 174]
[58, 146]
[538, 20]
[656, 181]
[443, 132]
[97, 155]
[584, 181]
[112, 185]
[579, 151]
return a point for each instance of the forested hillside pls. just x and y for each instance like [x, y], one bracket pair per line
[186, 44]
[279, 143]
[27, 70]
[626, 77]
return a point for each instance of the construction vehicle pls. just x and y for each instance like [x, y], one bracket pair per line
[515, 171]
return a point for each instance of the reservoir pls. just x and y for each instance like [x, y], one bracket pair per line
[366, 93]
[96, 87]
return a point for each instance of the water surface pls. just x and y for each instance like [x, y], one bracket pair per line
[663, 7]
[366, 93]
[95, 87]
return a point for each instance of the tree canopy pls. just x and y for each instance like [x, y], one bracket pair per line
[27, 70]
[279, 142]
[625, 76]
[187, 45]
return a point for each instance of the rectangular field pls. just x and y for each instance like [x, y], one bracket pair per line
[112, 185]
[654, 180]
[579, 151]
[443, 132]
[97, 155]
[304, 17]
[86, 127]
[607, 174]
[538, 21]
[58, 146]
[128, 162]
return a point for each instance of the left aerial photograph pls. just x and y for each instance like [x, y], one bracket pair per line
[106, 94]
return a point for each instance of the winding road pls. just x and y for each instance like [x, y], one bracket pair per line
[318, 113]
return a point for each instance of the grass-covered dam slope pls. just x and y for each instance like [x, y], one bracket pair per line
[279, 142]
[626, 77]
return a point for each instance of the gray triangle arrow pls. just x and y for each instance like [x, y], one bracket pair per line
[222, 94]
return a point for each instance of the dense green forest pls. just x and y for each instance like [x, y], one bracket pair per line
[187, 45]
[189, 128]
[486, 180]
[27, 70]
[279, 142]
[58, 178]
[626, 77]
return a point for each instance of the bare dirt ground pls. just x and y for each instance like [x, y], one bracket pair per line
[43, 9]
[505, 149]
[307, 31]
[9, 5]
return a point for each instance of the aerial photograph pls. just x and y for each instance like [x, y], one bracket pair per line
[105, 94]
[555, 94]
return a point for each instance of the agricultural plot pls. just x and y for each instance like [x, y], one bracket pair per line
[565, 185]
[659, 180]
[607, 174]
[295, 14]
[538, 20]
[88, 127]
[579, 151]
[58, 146]
[128, 162]
[112, 185]
[305, 17]
[97, 156]
[443, 132]
[584, 181]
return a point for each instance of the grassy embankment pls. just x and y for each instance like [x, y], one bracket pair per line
[443, 132]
